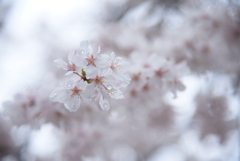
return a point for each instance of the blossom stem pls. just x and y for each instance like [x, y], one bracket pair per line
[83, 78]
[77, 74]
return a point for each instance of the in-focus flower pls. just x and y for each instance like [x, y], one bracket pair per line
[72, 66]
[93, 60]
[106, 86]
[70, 95]
[101, 76]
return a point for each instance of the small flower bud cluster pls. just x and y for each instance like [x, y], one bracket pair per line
[100, 76]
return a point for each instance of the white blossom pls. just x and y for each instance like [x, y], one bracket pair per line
[107, 86]
[101, 76]
[119, 69]
[72, 66]
[93, 60]
[70, 94]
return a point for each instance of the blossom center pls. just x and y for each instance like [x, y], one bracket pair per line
[71, 67]
[75, 91]
[90, 60]
[160, 73]
[98, 80]
[115, 66]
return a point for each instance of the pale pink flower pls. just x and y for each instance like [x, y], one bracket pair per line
[70, 95]
[73, 60]
[105, 87]
[119, 69]
[93, 60]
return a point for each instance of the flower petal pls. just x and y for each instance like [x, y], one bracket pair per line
[115, 93]
[88, 93]
[125, 79]
[73, 103]
[104, 71]
[112, 81]
[104, 104]
[103, 91]
[70, 84]
[85, 48]
[70, 56]
[58, 95]
[60, 63]
[81, 85]
[69, 73]
[79, 61]
[91, 71]
[103, 60]
[122, 65]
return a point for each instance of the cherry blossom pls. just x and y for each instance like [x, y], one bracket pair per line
[119, 68]
[93, 60]
[107, 86]
[182, 91]
[71, 94]
[71, 67]
[101, 77]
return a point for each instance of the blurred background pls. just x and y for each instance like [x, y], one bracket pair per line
[182, 103]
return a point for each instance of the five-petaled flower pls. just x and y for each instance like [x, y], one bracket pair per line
[71, 94]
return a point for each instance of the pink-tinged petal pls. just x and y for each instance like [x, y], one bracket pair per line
[69, 73]
[70, 84]
[73, 103]
[79, 61]
[104, 104]
[60, 64]
[103, 60]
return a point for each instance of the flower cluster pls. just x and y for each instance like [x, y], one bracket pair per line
[100, 76]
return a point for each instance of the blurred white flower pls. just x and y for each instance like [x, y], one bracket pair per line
[119, 68]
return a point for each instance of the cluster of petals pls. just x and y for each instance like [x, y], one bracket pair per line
[101, 76]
